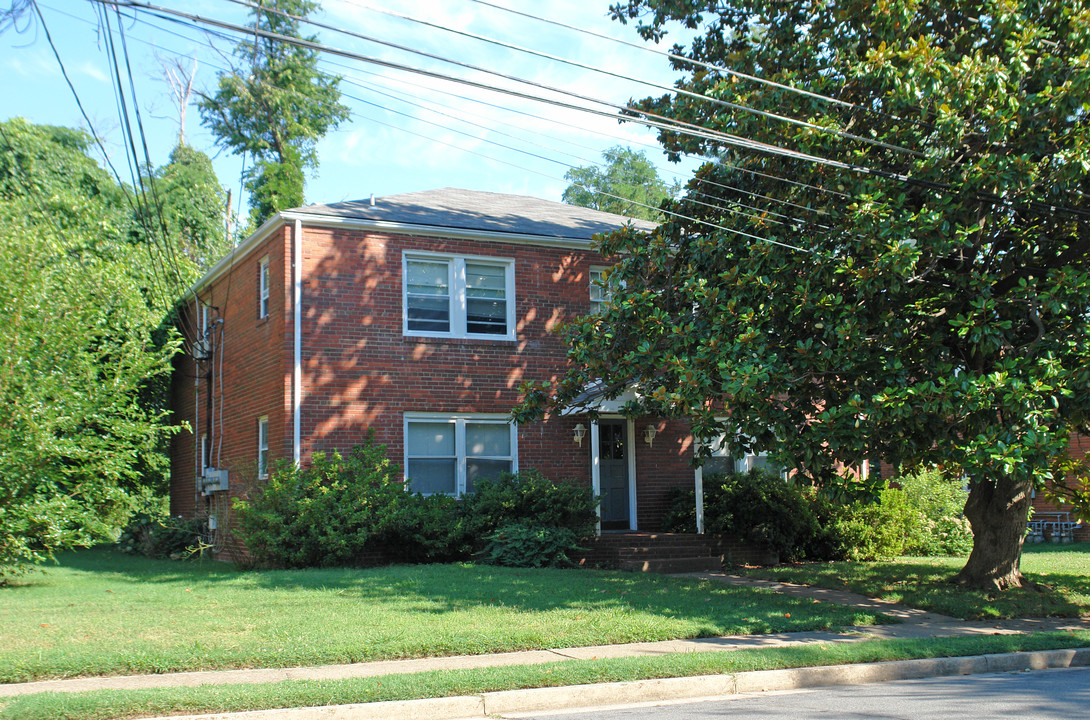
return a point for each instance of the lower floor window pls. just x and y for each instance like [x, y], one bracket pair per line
[721, 462]
[448, 454]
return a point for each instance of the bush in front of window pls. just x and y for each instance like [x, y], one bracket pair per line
[526, 544]
[427, 529]
[528, 496]
[331, 512]
[529, 520]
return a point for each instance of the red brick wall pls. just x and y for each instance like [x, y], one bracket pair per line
[360, 372]
[664, 465]
[254, 356]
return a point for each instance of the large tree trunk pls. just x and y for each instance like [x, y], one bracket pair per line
[998, 511]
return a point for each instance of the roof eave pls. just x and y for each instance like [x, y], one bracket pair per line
[317, 219]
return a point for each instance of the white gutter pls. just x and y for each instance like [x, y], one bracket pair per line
[320, 220]
[297, 310]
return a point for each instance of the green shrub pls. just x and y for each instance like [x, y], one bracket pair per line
[526, 544]
[327, 513]
[426, 529]
[762, 509]
[530, 497]
[939, 527]
[874, 530]
[680, 515]
[162, 536]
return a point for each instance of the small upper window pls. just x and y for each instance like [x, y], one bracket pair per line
[458, 297]
[263, 289]
[600, 293]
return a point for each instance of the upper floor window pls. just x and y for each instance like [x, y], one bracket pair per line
[263, 289]
[600, 294]
[458, 296]
[448, 455]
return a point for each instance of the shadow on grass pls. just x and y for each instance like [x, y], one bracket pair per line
[925, 583]
[435, 589]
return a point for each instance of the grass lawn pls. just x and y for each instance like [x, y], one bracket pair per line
[922, 583]
[101, 613]
[117, 704]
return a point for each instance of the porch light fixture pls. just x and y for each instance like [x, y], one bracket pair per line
[580, 433]
[649, 434]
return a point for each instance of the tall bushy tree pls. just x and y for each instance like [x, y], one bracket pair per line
[186, 209]
[930, 309]
[275, 105]
[625, 175]
[75, 436]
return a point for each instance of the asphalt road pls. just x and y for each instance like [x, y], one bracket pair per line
[1036, 695]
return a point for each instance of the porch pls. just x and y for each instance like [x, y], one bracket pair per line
[669, 552]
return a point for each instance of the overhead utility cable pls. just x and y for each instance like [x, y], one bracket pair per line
[583, 66]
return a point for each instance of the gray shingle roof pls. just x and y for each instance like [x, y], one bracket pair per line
[483, 211]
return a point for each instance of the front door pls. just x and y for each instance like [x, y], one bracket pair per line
[613, 465]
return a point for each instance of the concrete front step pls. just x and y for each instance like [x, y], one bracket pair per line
[673, 565]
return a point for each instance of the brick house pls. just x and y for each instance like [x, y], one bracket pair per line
[416, 317]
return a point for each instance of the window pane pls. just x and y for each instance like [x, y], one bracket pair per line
[427, 278]
[762, 462]
[482, 469]
[427, 296]
[430, 314]
[718, 466]
[431, 476]
[486, 299]
[488, 439]
[486, 281]
[431, 439]
[486, 316]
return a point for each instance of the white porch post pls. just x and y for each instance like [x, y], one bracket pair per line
[595, 474]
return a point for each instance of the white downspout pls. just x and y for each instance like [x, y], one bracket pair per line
[700, 500]
[297, 373]
[596, 475]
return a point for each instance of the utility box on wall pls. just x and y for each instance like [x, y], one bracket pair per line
[213, 480]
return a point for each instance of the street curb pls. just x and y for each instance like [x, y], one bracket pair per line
[643, 691]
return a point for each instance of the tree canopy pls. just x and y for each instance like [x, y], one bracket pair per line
[625, 184]
[79, 440]
[901, 269]
[275, 105]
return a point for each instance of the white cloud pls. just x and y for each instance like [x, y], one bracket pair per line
[92, 71]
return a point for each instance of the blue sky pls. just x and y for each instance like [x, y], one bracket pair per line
[406, 132]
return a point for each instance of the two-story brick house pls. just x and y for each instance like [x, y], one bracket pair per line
[416, 317]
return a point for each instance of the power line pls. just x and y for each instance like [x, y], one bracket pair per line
[658, 86]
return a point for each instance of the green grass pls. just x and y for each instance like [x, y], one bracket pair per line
[923, 583]
[102, 613]
[103, 704]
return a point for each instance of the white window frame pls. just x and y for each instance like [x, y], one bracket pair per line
[597, 282]
[263, 293]
[456, 282]
[263, 447]
[205, 320]
[721, 448]
[459, 422]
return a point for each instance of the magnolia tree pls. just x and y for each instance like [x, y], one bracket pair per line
[893, 263]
